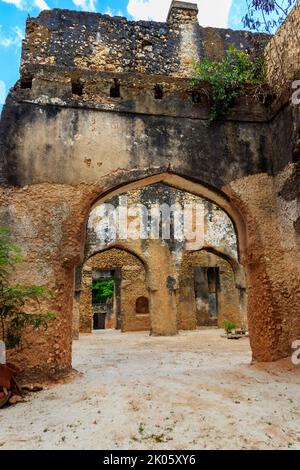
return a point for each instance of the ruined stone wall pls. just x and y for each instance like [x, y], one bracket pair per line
[282, 52]
[133, 286]
[46, 222]
[73, 60]
[272, 263]
[76, 303]
[85, 302]
[62, 149]
[113, 44]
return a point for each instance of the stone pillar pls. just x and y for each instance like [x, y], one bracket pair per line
[181, 12]
[76, 315]
[86, 305]
[182, 18]
[243, 308]
[163, 283]
[76, 302]
[186, 304]
[202, 296]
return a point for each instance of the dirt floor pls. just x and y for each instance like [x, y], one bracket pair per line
[193, 391]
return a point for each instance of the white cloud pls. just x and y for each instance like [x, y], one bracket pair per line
[211, 12]
[156, 10]
[14, 39]
[2, 92]
[28, 4]
[18, 3]
[86, 5]
[41, 4]
[214, 12]
[111, 12]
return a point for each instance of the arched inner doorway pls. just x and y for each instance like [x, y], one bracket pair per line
[112, 287]
[208, 294]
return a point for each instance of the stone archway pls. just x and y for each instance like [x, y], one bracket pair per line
[129, 275]
[223, 200]
[208, 291]
[162, 270]
[266, 307]
[269, 339]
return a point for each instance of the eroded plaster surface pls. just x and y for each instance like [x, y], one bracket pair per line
[69, 141]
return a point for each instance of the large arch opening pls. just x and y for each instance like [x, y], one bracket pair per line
[221, 199]
[168, 289]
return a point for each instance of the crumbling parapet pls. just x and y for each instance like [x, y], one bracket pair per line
[92, 41]
[282, 53]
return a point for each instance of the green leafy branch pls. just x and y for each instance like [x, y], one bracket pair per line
[227, 78]
[102, 291]
[15, 300]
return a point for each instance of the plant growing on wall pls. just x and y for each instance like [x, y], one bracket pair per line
[227, 78]
[15, 299]
[266, 15]
[102, 291]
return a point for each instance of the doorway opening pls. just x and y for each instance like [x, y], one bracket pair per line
[111, 293]
[106, 302]
[208, 293]
[103, 299]
[207, 286]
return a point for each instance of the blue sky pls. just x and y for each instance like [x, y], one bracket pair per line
[13, 13]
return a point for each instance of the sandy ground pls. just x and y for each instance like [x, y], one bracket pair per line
[193, 391]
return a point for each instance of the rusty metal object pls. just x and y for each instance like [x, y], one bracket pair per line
[8, 383]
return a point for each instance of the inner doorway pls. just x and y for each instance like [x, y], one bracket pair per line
[112, 293]
[207, 286]
[208, 295]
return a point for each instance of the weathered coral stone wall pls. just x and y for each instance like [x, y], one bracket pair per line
[95, 42]
[133, 286]
[67, 141]
[85, 302]
[228, 295]
[46, 222]
[273, 262]
[282, 52]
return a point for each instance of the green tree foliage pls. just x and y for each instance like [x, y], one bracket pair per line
[227, 78]
[102, 291]
[15, 299]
